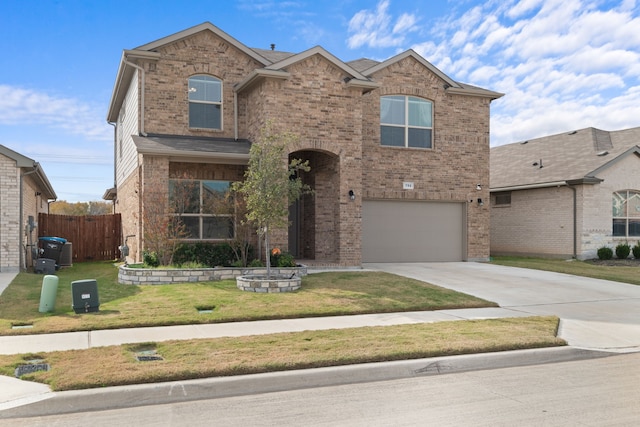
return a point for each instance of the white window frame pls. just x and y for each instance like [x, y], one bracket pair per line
[207, 102]
[623, 198]
[406, 126]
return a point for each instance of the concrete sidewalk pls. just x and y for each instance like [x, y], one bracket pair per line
[595, 315]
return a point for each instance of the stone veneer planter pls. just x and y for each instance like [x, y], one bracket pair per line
[277, 283]
[154, 276]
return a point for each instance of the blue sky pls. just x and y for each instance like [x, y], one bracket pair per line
[563, 64]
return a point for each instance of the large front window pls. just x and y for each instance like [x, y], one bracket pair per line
[205, 102]
[406, 121]
[626, 213]
[203, 207]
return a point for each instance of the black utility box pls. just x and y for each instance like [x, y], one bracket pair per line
[45, 266]
[85, 296]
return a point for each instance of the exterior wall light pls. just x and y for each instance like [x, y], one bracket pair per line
[352, 195]
[480, 202]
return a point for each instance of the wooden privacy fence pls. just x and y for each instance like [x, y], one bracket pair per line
[93, 237]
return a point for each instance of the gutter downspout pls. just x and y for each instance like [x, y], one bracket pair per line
[115, 157]
[141, 69]
[575, 220]
[23, 260]
[235, 115]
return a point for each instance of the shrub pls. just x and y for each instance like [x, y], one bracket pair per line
[150, 259]
[636, 251]
[256, 263]
[282, 259]
[205, 253]
[605, 253]
[623, 250]
[286, 260]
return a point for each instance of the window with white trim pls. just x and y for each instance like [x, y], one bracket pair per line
[626, 213]
[406, 121]
[200, 207]
[205, 102]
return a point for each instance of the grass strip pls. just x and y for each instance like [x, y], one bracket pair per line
[191, 359]
[616, 273]
[130, 306]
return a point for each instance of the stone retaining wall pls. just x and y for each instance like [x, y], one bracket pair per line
[150, 276]
[261, 284]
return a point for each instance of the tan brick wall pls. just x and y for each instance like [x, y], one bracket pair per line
[9, 215]
[451, 170]
[597, 202]
[128, 205]
[342, 124]
[16, 241]
[166, 91]
[538, 222]
[33, 204]
[315, 104]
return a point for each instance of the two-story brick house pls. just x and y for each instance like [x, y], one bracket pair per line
[399, 152]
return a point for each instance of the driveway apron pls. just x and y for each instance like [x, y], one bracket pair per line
[595, 314]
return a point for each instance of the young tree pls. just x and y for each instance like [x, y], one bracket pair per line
[271, 184]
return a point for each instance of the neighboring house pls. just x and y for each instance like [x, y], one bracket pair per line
[25, 192]
[397, 149]
[566, 195]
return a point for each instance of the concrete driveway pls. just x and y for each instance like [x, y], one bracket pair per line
[595, 314]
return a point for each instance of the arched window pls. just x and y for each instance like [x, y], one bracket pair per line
[626, 213]
[406, 121]
[205, 102]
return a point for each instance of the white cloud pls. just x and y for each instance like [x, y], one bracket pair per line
[562, 64]
[28, 107]
[375, 29]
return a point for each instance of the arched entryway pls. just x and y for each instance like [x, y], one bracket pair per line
[314, 219]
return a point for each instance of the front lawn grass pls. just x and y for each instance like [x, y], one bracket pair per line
[127, 306]
[190, 359]
[616, 273]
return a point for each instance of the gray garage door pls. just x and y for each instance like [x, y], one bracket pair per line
[400, 231]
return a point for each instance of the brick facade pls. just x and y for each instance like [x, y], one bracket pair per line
[338, 129]
[561, 188]
[9, 215]
[24, 193]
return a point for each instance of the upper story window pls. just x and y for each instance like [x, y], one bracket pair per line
[626, 213]
[406, 121]
[205, 102]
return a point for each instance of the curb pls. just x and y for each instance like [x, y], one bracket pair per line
[220, 387]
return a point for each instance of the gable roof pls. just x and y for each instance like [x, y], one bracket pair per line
[450, 85]
[273, 63]
[127, 65]
[276, 69]
[573, 157]
[25, 162]
[153, 46]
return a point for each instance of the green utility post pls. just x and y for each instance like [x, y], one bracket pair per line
[48, 293]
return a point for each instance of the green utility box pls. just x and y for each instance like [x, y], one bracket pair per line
[84, 294]
[48, 293]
